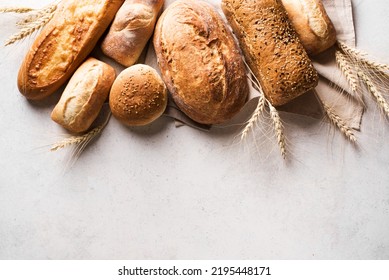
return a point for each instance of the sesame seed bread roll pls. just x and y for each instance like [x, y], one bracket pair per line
[63, 45]
[131, 29]
[138, 96]
[200, 62]
[312, 24]
[272, 48]
[84, 96]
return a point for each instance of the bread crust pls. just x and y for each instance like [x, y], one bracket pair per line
[84, 96]
[63, 45]
[138, 96]
[131, 29]
[200, 62]
[313, 26]
[271, 48]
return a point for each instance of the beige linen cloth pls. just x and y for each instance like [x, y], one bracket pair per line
[332, 88]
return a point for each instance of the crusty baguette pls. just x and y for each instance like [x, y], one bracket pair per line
[131, 29]
[63, 45]
[313, 26]
[200, 62]
[271, 48]
[138, 96]
[84, 95]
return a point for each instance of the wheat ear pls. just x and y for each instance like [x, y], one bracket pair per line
[18, 10]
[80, 140]
[33, 24]
[254, 117]
[35, 14]
[278, 129]
[26, 31]
[347, 70]
[361, 56]
[260, 106]
[339, 123]
[75, 140]
[382, 103]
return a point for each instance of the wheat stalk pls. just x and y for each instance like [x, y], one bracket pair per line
[30, 19]
[260, 106]
[27, 20]
[28, 30]
[262, 101]
[33, 23]
[347, 70]
[345, 48]
[81, 140]
[375, 65]
[75, 140]
[33, 16]
[18, 10]
[382, 103]
[278, 129]
[339, 123]
[254, 117]
[361, 57]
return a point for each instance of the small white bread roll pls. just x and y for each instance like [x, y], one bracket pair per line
[312, 24]
[84, 96]
[138, 96]
[131, 29]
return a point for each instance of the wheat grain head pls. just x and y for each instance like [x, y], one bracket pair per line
[278, 129]
[33, 23]
[81, 140]
[381, 101]
[339, 123]
[17, 10]
[348, 71]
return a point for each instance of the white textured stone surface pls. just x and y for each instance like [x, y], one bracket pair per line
[164, 193]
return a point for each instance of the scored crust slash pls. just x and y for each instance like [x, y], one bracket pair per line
[64, 43]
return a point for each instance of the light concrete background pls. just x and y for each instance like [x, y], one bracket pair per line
[165, 193]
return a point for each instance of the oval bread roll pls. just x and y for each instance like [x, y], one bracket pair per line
[84, 95]
[63, 45]
[131, 29]
[138, 96]
[272, 48]
[312, 24]
[200, 62]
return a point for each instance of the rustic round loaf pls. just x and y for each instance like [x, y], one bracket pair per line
[138, 96]
[200, 62]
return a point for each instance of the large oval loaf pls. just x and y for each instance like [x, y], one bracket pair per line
[63, 44]
[200, 62]
[272, 48]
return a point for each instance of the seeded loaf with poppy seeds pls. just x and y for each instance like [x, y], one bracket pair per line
[272, 48]
[63, 45]
[200, 62]
[312, 24]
